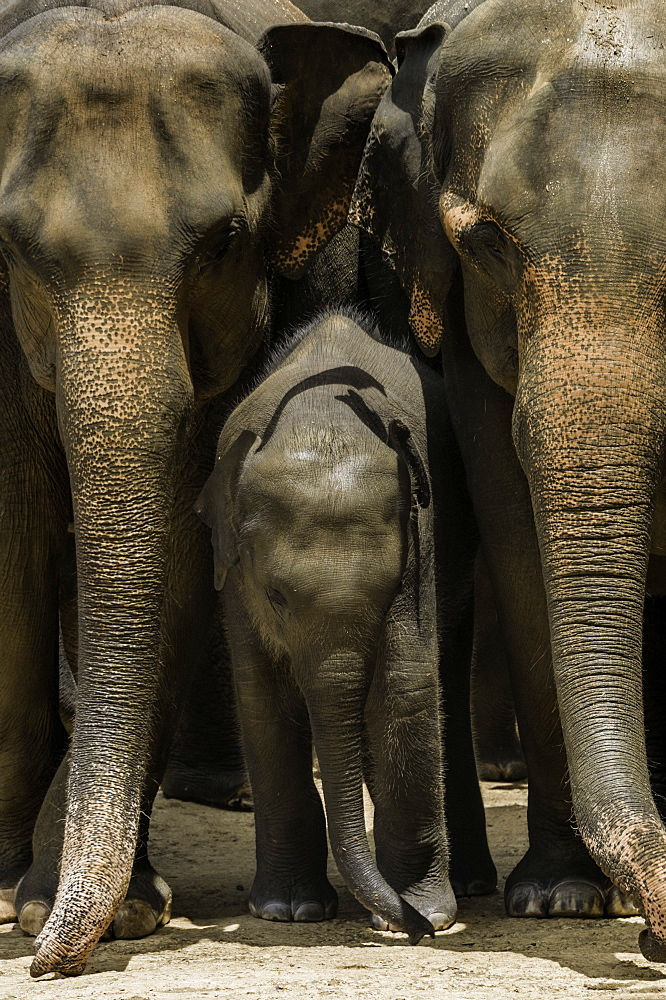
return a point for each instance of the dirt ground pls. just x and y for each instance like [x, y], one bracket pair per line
[214, 949]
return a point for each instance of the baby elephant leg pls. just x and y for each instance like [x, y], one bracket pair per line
[291, 882]
[406, 776]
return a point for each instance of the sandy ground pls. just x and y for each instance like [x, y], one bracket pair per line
[213, 948]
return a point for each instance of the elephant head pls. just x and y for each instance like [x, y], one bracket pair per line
[156, 169]
[524, 140]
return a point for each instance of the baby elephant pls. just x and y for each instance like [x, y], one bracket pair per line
[321, 509]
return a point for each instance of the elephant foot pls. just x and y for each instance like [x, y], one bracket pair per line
[8, 905]
[298, 898]
[559, 885]
[508, 769]
[10, 877]
[472, 869]
[500, 761]
[222, 789]
[146, 907]
[435, 902]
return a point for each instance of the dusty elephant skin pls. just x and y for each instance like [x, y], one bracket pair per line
[536, 128]
[323, 511]
[149, 188]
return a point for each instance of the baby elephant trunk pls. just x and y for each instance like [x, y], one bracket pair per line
[336, 701]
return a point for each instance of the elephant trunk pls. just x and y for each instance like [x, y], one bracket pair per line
[123, 395]
[336, 707]
[589, 428]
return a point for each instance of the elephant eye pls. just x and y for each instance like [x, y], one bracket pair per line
[216, 247]
[277, 599]
[484, 237]
[490, 249]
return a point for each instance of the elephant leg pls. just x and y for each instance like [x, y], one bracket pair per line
[290, 882]
[206, 763]
[654, 696]
[187, 615]
[33, 523]
[473, 871]
[403, 724]
[499, 755]
[148, 901]
[557, 876]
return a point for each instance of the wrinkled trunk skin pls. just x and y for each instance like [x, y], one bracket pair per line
[336, 702]
[123, 394]
[589, 428]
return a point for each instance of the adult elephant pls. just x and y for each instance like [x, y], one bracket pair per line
[514, 177]
[156, 170]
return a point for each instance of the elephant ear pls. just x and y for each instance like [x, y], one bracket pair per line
[402, 442]
[215, 505]
[329, 78]
[396, 194]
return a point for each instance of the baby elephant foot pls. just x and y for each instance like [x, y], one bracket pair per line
[222, 789]
[297, 898]
[559, 886]
[436, 902]
[146, 907]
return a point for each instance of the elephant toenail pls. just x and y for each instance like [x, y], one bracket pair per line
[576, 899]
[134, 919]
[309, 912]
[619, 904]
[276, 911]
[526, 900]
[440, 921]
[7, 907]
[33, 917]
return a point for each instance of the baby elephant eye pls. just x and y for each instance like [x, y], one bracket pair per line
[276, 598]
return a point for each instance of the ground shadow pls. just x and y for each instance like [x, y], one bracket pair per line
[208, 858]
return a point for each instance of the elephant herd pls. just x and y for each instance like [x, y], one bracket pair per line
[224, 228]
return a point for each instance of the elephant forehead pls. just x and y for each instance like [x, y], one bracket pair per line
[555, 51]
[316, 481]
[562, 122]
[78, 57]
[123, 126]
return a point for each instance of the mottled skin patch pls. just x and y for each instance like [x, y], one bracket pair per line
[138, 205]
[544, 138]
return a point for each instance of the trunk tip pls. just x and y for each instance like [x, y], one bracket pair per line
[651, 946]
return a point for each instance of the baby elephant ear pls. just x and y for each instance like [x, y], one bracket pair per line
[400, 439]
[329, 80]
[397, 192]
[215, 505]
